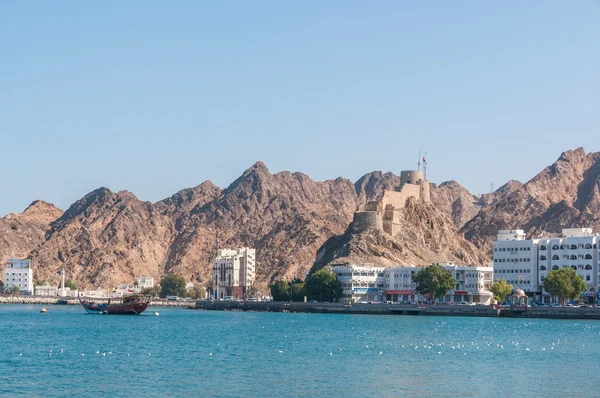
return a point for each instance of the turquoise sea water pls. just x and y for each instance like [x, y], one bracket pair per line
[279, 354]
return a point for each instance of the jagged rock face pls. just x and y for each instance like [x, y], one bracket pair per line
[499, 194]
[565, 194]
[372, 185]
[285, 216]
[105, 238]
[427, 235]
[19, 233]
[455, 200]
[183, 202]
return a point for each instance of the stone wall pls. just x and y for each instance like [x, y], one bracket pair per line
[364, 220]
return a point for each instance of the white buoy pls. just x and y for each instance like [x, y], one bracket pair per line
[82, 355]
[380, 353]
[210, 354]
[280, 351]
[156, 314]
[43, 310]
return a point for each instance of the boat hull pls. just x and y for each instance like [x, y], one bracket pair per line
[134, 308]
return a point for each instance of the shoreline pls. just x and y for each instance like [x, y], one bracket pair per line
[401, 309]
[40, 300]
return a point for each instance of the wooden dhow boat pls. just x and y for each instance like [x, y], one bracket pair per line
[133, 304]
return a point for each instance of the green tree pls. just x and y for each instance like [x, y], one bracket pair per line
[16, 290]
[323, 285]
[172, 285]
[501, 289]
[70, 284]
[280, 291]
[435, 280]
[564, 283]
[197, 291]
[298, 291]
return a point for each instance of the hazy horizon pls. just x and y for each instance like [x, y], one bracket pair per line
[161, 97]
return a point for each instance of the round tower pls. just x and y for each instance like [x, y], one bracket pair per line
[424, 191]
[411, 176]
[364, 220]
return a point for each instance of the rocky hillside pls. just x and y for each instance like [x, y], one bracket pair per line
[285, 216]
[565, 194]
[19, 233]
[427, 235]
[452, 198]
[105, 237]
[112, 237]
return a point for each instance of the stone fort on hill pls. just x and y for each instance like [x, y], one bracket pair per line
[383, 214]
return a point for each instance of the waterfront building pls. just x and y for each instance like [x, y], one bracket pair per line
[18, 272]
[361, 283]
[515, 260]
[145, 282]
[234, 271]
[525, 262]
[365, 283]
[46, 290]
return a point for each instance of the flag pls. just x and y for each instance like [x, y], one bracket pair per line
[424, 160]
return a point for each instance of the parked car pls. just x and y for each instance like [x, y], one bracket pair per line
[556, 305]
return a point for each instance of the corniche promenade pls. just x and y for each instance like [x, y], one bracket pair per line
[400, 309]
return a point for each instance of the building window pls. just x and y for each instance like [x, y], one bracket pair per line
[587, 277]
[588, 256]
[574, 267]
[542, 247]
[573, 247]
[554, 267]
[588, 246]
[543, 258]
[542, 268]
[588, 267]
[554, 247]
[573, 257]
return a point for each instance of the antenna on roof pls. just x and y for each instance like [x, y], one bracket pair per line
[419, 161]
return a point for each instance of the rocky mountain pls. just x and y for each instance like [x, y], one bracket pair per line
[112, 237]
[21, 232]
[371, 185]
[183, 202]
[565, 194]
[427, 235]
[456, 201]
[285, 216]
[105, 237]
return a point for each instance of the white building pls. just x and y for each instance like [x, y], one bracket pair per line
[18, 273]
[46, 290]
[515, 260]
[145, 282]
[523, 262]
[234, 271]
[365, 283]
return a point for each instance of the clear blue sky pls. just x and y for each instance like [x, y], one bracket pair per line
[154, 97]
